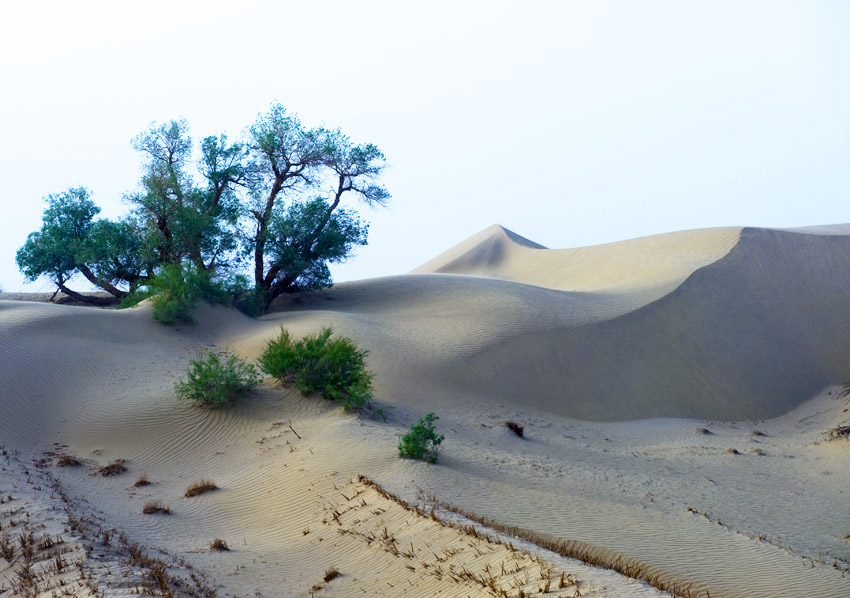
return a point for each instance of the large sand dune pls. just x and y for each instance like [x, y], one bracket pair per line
[740, 332]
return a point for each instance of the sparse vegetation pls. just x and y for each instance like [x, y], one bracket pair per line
[199, 488]
[115, 468]
[212, 382]
[142, 480]
[335, 367]
[219, 545]
[155, 506]
[331, 574]
[422, 441]
[68, 461]
[7, 549]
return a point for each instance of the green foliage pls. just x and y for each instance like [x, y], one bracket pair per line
[65, 224]
[319, 363]
[273, 198]
[422, 441]
[305, 266]
[71, 241]
[178, 289]
[238, 291]
[212, 382]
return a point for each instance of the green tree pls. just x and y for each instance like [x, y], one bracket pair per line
[71, 241]
[274, 199]
[293, 244]
[182, 221]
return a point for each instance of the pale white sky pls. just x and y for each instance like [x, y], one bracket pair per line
[571, 123]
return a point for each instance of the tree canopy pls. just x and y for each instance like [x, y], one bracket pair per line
[268, 205]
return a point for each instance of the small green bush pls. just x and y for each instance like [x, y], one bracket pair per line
[212, 382]
[178, 289]
[422, 441]
[319, 363]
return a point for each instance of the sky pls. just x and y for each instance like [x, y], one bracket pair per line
[571, 123]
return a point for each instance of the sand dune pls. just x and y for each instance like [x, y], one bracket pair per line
[651, 264]
[739, 334]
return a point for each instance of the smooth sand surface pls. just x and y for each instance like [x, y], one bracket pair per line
[676, 391]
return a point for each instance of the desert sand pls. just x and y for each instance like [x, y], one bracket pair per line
[678, 393]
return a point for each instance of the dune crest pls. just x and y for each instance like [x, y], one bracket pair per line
[654, 264]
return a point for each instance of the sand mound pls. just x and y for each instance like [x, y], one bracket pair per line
[742, 324]
[653, 264]
[749, 336]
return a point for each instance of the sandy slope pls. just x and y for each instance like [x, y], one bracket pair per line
[587, 348]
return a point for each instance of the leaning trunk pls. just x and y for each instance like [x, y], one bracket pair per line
[85, 298]
[103, 284]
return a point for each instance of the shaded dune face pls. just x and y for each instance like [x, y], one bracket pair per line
[750, 335]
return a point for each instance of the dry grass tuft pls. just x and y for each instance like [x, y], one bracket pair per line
[200, 487]
[331, 574]
[515, 428]
[68, 461]
[114, 468]
[219, 544]
[142, 481]
[155, 506]
[733, 451]
[704, 431]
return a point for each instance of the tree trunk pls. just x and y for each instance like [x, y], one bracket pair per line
[103, 284]
[85, 298]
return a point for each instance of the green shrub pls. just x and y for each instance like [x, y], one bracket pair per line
[212, 382]
[178, 289]
[422, 441]
[319, 363]
[238, 291]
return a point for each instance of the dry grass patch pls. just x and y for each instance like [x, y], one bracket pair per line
[155, 506]
[331, 574]
[142, 481]
[199, 488]
[115, 468]
[68, 461]
[219, 545]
